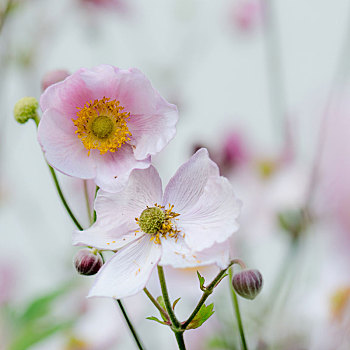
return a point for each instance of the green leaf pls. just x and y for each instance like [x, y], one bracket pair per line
[162, 304]
[41, 306]
[203, 314]
[175, 302]
[201, 281]
[29, 336]
[153, 318]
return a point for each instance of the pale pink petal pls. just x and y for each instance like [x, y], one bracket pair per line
[62, 148]
[128, 271]
[114, 168]
[187, 185]
[151, 133]
[106, 237]
[177, 254]
[144, 189]
[66, 96]
[213, 219]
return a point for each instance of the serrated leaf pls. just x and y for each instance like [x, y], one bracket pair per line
[175, 302]
[203, 314]
[153, 318]
[201, 281]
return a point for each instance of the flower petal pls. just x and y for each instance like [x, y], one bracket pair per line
[213, 219]
[62, 148]
[177, 254]
[114, 168]
[187, 185]
[151, 133]
[128, 271]
[66, 96]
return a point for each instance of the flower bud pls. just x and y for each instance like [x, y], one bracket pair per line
[292, 221]
[248, 283]
[88, 262]
[53, 77]
[25, 109]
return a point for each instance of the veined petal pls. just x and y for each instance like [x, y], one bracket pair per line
[63, 150]
[114, 168]
[213, 219]
[106, 237]
[127, 272]
[152, 132]
[187, 185]
[176, 253]
[144, 189]
[66, 96]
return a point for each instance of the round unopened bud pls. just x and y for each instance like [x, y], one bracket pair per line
[248, 283]
[25, 109]
[88, 262]
[53, 77]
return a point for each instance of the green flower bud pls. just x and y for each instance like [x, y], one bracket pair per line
[25, 109]
[248, 283]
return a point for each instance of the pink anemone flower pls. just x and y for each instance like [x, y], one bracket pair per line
[102, 123]
[187, 226]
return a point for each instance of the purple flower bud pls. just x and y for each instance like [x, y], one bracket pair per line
[248, 283]
[87, 262]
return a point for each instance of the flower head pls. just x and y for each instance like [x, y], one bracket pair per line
[186, 226]
[102, 123]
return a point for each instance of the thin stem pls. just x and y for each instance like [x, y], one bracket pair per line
[5, 13]
[208, 290]
[87, 200]
[131, 328]
[169, 309]
[180, 340]
[64, 202]
[237, 312]
[156, 304]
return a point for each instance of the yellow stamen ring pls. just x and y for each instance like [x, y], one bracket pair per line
[157, 222]
[102, 125]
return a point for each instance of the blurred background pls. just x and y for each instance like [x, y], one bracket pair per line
[263, 85]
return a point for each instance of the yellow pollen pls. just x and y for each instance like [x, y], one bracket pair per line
[159, 224]
[102, 125]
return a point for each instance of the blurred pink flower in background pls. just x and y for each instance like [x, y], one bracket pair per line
[118, 5]
[334, 178]
[53, 77]
[102, 123]
[247, 15]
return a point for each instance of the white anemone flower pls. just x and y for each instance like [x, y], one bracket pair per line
[187, 226]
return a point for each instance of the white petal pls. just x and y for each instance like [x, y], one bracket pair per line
[187, 185]
[177, 254]
[104, 237]
[213, 218]
[114, 168]
[128, 271]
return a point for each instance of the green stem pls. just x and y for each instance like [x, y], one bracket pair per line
[180, 339]
[174, 321]
[156, 304]
[131, 328]
[208, 290]
[237, 312]
[60, 193]
[95, 217]
[87, 200]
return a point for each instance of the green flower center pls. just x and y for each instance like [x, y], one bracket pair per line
[102, 126]
[151, 220]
